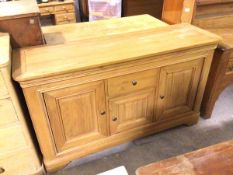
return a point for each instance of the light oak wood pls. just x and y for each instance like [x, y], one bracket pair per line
[64, 8]
[22, 163]
[46, 10]
[72, 32]
[17, 151]
[61, 12]
[8, 112]
[3, 89]
[178, 11]
[173, 98]
[77, 114]
[125, 47]
[65, 18]
[131, 111]
[5, 50]
[64, 89]
[9, 143]
[132, 82]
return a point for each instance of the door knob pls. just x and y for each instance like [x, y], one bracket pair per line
[162, 97]
[102, 113]
[114, 119]
[134, 82]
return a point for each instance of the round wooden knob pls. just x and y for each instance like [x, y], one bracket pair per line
[114, 119]
[162, 97]
[102, 113]
[134, 82]
[2, 170]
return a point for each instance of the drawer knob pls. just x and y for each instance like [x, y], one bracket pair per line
[134, 82]
[114, 119]
[102, 113]
[2, 170]
[162, 97]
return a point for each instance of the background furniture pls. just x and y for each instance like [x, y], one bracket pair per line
[178, 11]
[61, 12]
[119, 93]
[17, 151]
[138, 7]
[216, 159]
[217, 17]
[83, 8]
[21, 20]
[130, 8]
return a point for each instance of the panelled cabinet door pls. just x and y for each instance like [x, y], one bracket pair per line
[128, 112]
[77, 114]
[178, 88]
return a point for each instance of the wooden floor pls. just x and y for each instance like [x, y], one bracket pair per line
[213, 160]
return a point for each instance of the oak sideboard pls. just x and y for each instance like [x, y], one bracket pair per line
[88, 95]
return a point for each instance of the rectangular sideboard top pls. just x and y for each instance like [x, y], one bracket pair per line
[45, 61]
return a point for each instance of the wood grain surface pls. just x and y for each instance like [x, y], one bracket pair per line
[73, 32]
[108, 50]
[214, 160]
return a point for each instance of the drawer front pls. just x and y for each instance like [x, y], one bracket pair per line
[3, 89]
[7, 112]
[230, 67]
[12, 139]
[18, 163]
[46, 10]
[65, 18]
[64, 8]
[132, 82]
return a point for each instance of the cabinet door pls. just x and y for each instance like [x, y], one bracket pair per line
[131, 111]
[178, 88]
[77, 114]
